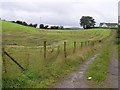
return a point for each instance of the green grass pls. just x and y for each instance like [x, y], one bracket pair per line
[14, 34]
[98, 69]
[41, 72]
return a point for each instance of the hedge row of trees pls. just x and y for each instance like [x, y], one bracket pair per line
[25, 24]
[51, 27]
[40, 26]
[57, 27]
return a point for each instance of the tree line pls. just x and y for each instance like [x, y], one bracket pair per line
[51, 27]
[42, 26]
[25, 24]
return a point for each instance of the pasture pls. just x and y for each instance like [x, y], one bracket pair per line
[26, 46]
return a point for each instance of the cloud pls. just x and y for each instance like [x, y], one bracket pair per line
[59, 12]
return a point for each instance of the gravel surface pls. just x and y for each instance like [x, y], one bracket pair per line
[113, 72]
[74, 79]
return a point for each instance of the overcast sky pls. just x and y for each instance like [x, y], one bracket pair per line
[59, 12]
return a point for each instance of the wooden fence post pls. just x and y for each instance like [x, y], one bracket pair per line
[65, 52]
[74, 47]
[100, 41]
[81, 44]
[4, 62]
[44, 49]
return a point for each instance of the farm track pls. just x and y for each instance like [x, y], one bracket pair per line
[75, 79]
[112, 79]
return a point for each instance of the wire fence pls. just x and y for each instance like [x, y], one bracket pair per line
[27, 56]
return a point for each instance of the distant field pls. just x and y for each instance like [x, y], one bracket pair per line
[25, 45]
[14, 34]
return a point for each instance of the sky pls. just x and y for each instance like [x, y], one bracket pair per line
[59, 12]
[119, 13]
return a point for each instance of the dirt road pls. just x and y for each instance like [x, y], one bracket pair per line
[75, 79]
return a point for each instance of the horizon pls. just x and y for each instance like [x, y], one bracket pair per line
[62, 13]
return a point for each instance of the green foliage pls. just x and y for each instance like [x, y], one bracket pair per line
[87, 22]
[41, 25]
[25, 24]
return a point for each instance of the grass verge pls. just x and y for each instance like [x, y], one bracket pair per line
[98, 69]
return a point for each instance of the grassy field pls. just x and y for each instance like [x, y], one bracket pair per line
[14, 34]
[25, 45]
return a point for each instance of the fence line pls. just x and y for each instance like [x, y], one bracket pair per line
[45, 52]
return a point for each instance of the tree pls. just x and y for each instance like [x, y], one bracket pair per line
[34, 25]
[46, 26]
[24, 23]
[19, 22]
[61, 27]
[56, 27]
[87, 22]
[52, 27]
[30, 25]
[41, 25]
[13, 21]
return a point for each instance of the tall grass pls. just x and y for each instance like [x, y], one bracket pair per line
[98, 69]
[40, 72]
